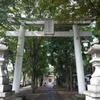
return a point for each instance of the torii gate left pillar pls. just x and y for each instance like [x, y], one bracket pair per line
[19, 58]
[79, 61]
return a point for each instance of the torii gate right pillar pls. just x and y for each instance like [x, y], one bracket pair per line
[79, 61]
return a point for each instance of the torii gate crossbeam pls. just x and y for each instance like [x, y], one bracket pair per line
[42, 34]
[79, 62]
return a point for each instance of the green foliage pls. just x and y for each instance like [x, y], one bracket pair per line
[64, 10]
[61, 56]
[35, 49]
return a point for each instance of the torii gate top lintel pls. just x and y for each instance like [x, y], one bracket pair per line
[49, 29]
[42, 22]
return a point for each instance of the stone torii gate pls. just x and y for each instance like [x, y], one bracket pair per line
[48, 32]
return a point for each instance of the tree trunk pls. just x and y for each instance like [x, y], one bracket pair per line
[70, 82]
[24, 80]
[33, 63]
[67, 80]
[33, 79]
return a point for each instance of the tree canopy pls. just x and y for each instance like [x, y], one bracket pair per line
[66, 10]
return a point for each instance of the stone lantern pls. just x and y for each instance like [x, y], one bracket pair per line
[93, 89]
[5, 88]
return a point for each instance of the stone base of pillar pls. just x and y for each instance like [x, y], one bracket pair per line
[4, 80]
[5, 88]
[93, 89]
[7, 95]
[92, 95]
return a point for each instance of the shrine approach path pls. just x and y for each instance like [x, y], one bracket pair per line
[48, 94]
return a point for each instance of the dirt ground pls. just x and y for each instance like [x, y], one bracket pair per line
[67, 95]
[57, 94]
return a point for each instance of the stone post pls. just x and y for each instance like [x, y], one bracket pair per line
[93, 89]
[5, 88]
